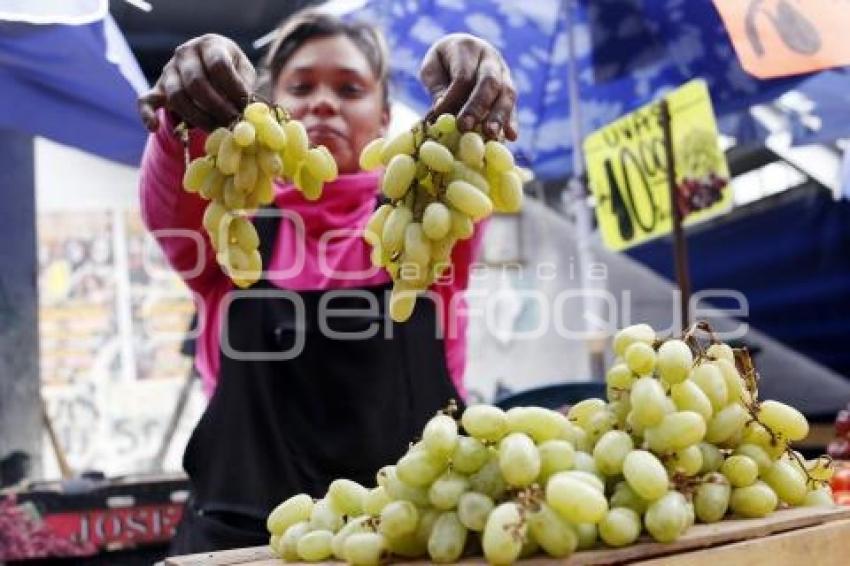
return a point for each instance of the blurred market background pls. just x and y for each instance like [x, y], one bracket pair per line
[96, 327]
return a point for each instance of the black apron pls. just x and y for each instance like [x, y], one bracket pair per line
[342, 408]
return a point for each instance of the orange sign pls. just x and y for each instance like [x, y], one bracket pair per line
[777, 38]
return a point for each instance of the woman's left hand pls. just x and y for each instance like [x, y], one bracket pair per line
[468, 77]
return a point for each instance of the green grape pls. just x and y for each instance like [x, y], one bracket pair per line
[599, 424]
[687, 461]
[263, 191]
[584, 462]
[436, 156]
[726, 424]
[446, 123]
[712, 498]
[519, 460]
[440, 435]
[591, 479]
[555, 456]
[721, 352]
[587, 535]
[370, 157]
[229, 154]
[538, 423]
[270, 133]
[417, 248]
[687, 396]
[504, 534]
[469, 200]
[274, 541]
[473, 508]
[375, 500]
[648, 402]
[446, 490]
[711, 381]
[346, 496]
[234, 199]
[625, 496]
[375, 226]
[213, 186]
[392, 236]
[315, 546]
[402, 143]
[575, 500]
[646, 474]
[757, 454]
[196, 173]
[242, 230]
[753, 501]
[485, 422]
[359, 524]
[734, 384]
[325, 516]
[297, 142]
[583, 411]
[820, 497]
[470, 149]
[497, 157]
[402, 302]
[510, 193]
[462, 225]
[436, 221]
[269, 162]
[288, 545]
[667, 517]
[317, 163]
[783, 419]
[216, 220]
[674, 361]
[755, 433]
[419, 468]
[488, 480]
[640, 358]
[555, 535]
[620, 526]
[636, 333]
[311, 187]
[469, 455]
[620, 376]
[295, 509]
[399, 490]
[363, 549]
[741, 471]
[255, 112]
[408, 546]
[448, 538]
[244, 133]
[787, 481]
[398, 176]
[611, 450]
[398, 518]
[461, 172]
[574, 435]
[246, 176]
[213, 141]
[676, 431]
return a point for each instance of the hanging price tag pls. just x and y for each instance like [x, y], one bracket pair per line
[627, 169]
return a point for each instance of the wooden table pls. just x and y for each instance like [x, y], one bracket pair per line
[791, 537]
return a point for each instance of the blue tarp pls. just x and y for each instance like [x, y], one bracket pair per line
[75, 84]
[791, 261]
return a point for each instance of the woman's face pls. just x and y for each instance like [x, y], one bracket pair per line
[330, 87]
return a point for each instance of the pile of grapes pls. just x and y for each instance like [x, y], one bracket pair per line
[439, 182]
[681, 438]
[237, 176]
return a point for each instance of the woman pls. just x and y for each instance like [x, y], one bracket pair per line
[309, 379]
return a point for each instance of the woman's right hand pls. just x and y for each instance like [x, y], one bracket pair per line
[206, 83]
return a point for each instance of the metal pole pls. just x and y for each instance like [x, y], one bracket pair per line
[576, 201]
[680, 245]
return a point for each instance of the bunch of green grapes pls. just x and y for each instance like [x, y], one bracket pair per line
[681, 439]
[237, 176]
[439, 183]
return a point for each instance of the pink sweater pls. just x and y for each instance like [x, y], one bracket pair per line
[327, 251]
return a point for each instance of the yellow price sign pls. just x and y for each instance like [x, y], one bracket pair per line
[627, 169]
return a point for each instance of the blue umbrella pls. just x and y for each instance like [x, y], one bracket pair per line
[622, 61]
[75, 84]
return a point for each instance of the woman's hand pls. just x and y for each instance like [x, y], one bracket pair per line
[467, 76]
[206, 83]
